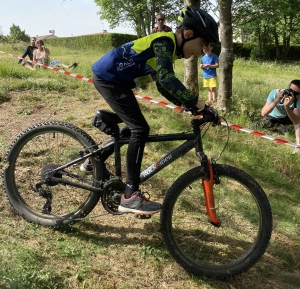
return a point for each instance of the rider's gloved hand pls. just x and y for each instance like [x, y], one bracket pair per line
[210, 115]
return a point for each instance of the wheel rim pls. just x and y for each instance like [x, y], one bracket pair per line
[206, 245]
[42, 148]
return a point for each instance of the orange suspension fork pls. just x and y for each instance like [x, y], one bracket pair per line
[209, 197]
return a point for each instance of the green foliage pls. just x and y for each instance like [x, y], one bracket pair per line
[101, 42]
[242, 50]
[252, 51]
[17, 34]
[268, 22]
[139, 14]
[3, 38]
[254, 54]
[1, 35]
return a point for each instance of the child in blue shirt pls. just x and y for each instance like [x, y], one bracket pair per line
[209, 63]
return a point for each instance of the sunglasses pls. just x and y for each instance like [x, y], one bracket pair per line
[160, 19]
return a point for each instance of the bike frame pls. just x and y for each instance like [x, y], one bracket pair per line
[192, 140]
[171, 156]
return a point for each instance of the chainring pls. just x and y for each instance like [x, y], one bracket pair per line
[111, 196]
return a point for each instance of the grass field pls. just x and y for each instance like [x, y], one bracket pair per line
[120, 251]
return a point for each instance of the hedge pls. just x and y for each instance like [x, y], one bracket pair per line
[102, 42]
[107, 41]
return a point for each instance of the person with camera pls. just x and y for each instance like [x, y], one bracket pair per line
[283, 107]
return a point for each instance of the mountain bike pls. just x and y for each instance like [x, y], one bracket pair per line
[216, 220]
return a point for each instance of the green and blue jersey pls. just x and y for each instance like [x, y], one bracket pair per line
[151, 55]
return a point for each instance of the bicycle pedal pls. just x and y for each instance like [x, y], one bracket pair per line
[142, 216]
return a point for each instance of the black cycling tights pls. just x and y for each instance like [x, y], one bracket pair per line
[123, 102]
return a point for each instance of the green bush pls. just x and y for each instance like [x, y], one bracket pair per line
[254, 54]
[251, 51]
[101, 42]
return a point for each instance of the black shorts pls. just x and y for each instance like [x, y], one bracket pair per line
[284, 120]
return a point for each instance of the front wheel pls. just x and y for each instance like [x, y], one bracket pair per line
[36, 152]
[204, 249]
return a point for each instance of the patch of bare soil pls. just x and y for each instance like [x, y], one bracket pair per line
[17, 115]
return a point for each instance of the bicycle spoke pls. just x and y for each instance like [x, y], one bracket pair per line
[35, 154]
[212, 250]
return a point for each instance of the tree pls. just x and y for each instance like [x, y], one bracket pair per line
[17, 34]
[2, 37]
[226, 55]
[191, 64]
[271, 22]
[140, 14]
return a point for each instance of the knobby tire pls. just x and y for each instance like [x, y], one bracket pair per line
[204, 249]
[49, 143]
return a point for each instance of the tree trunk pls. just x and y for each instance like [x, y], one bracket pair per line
[191, 74]
[226, 56]
[143, 26]
[191, 64]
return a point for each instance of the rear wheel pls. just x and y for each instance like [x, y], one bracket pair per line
[204, 249]
[32, 156]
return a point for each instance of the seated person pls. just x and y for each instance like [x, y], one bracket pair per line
[57, 63]
[28, 52]
[41, 54]
[283, 107]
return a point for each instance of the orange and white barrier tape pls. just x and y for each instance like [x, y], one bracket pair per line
[165, 104]
[234, 126]
[52, 68]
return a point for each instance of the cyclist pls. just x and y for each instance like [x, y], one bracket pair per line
[141, 61]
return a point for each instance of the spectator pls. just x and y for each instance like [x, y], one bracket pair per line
[209, 65]
[118, 72]
[41, 54]
[57, 63]
[28, 52]
[161, 27]
[283, 107]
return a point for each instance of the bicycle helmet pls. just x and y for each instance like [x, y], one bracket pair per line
[200, 22]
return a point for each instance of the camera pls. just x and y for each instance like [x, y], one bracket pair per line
[285, 92]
